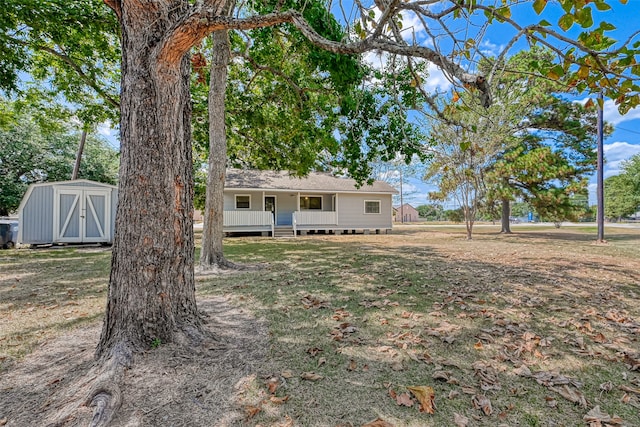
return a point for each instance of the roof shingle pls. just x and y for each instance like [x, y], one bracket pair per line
[315, 181]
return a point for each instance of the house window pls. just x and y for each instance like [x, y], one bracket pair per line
[311, 202]
[243, 201]
[372, 206]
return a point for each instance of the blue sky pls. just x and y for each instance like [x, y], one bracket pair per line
[622, 144]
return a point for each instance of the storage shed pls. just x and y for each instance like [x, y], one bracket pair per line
[79, 211]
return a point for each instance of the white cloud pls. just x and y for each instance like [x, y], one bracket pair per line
[437, 79]
[615, 153]
[105, 128]
[611, 114]
[490, 49]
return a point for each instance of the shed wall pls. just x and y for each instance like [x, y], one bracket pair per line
[36, 219]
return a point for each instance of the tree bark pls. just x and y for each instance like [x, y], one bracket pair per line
[211, 254]
[506, 211]
[151, 297]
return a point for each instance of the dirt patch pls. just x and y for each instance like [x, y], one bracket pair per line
[169, 385]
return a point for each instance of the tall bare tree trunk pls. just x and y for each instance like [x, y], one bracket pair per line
[151, 289]
[506, 212]
[211, 254]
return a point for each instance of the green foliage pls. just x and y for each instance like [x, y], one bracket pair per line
[454, 215]
[68, 48]
[622, 192]
[35, 149]
[431, 212]
[521, 209]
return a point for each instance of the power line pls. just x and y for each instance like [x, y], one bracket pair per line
[626, 130]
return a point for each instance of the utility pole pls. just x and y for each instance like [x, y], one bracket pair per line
[76, 166]
[599, 172]
[401, 200]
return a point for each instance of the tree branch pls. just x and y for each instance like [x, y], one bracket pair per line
[203, 21]
[69, 61]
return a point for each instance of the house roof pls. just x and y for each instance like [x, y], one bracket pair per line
[315, 181]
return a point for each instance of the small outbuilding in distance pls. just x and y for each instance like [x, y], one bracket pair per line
[78, 211]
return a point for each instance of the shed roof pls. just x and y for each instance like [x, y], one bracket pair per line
[315, 181]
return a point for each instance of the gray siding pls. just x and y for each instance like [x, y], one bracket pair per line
[256, 203]
[351, 211]
[36, 221]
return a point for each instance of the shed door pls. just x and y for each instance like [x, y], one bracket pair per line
[82, 216]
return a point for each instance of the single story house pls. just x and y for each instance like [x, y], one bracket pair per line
[406, 213]
[277, 203]
[78, 211]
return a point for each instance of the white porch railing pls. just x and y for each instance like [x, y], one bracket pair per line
[315, 218]
[249, 219]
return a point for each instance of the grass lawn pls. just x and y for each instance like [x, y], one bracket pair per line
[538, 328]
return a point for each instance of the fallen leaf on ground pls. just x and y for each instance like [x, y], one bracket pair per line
[322, 361]
[278, 400]
[312, 302]
[630, 389]
[632, 361]
[404, 399]
[596, 417]
[608, 386]
[571, 394]
[251, 411]
[286, 374]
[460, 420]
[630, 399]
[311, 376]
[340, 314]
[397, 365]
[272, 385]
[441, 375]
[313, 351]
[469, 390]
[551, 402]
[522, 371]
[483, 403]
[426, 396]
[352, 365]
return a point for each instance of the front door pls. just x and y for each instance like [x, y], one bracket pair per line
[270, 206]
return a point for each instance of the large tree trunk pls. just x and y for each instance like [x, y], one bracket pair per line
[151, 295]
[506, 211]
[211, 255]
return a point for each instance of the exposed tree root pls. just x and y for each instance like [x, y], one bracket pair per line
[190, 381]
[105, 401]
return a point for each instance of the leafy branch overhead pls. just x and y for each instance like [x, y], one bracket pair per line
[592, 61]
